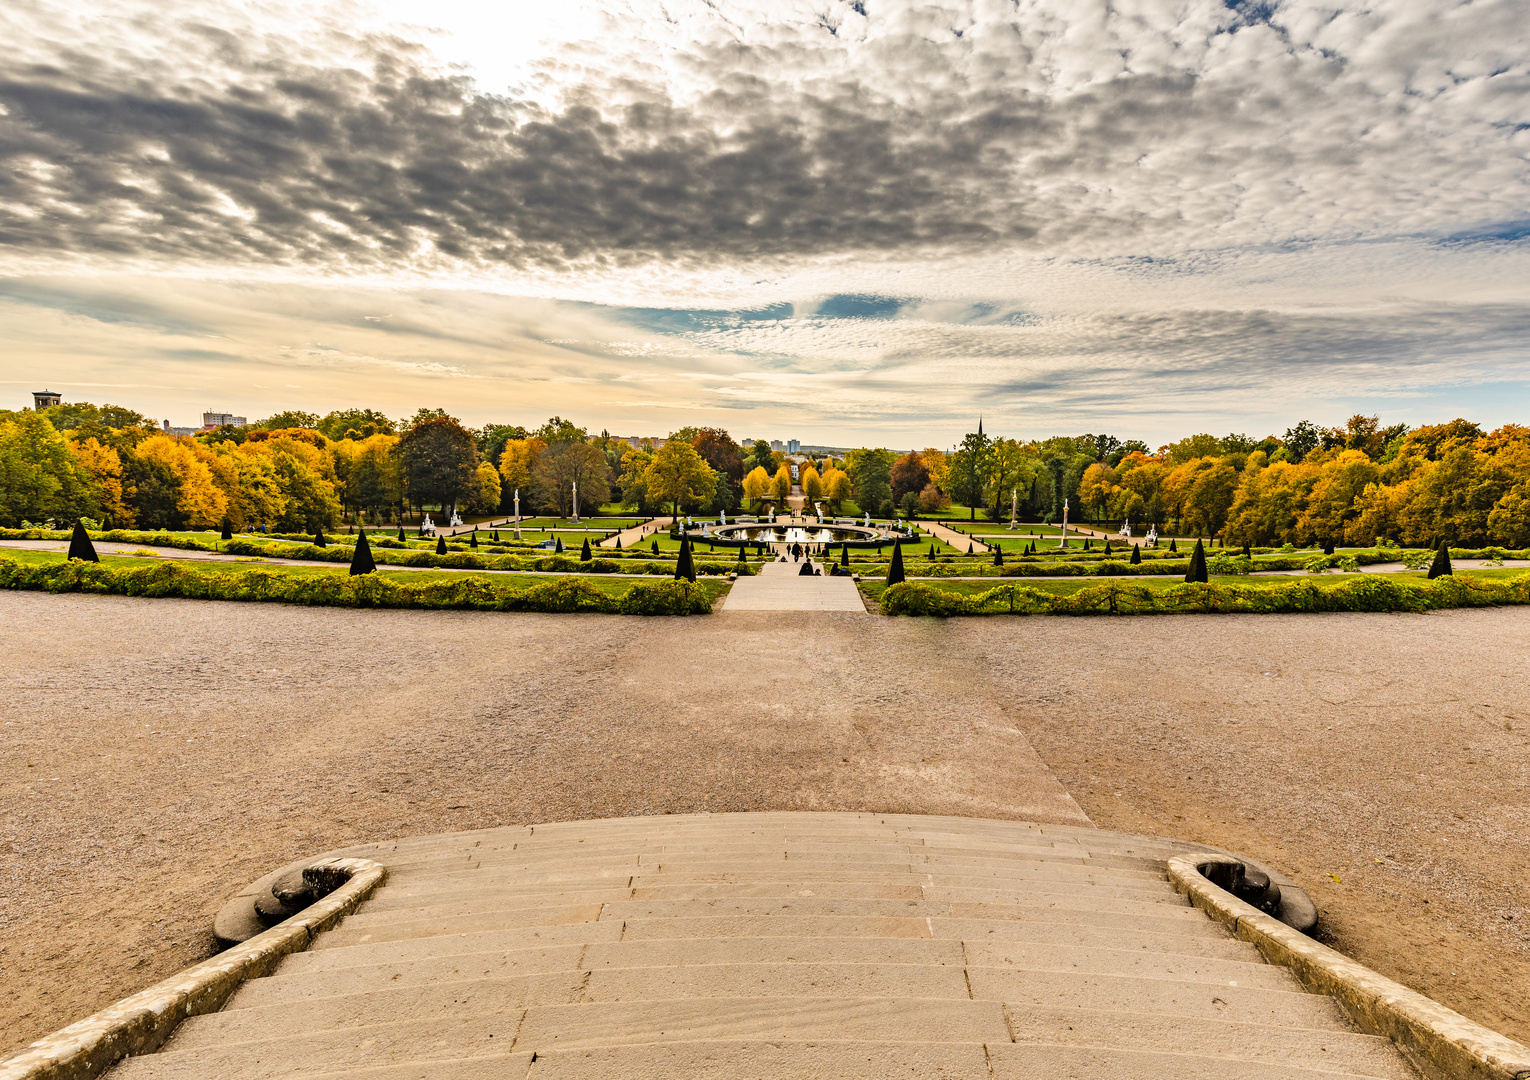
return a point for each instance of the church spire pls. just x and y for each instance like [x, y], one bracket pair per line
[980, 427]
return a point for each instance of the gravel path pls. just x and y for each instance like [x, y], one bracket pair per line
[159, 754]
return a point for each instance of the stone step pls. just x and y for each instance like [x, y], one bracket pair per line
[1250, 970]
[290, 983]
[322, 1053]
[358, 931]
[513, 892]
[795, 1018]
[1340, 1051]
[501, 910]
[1120, 993]
[787, 980]
[1017, 1062]
[361, 1009]
[1182, 935]
[328, 951]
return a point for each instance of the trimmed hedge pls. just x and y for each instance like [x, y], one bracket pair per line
[1373, 592]
[171, 579]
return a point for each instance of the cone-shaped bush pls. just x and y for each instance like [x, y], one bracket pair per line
[685, 567]
[656, 547]
[228, 531]
[361, 558]
[584, 552]
[1173, 545]
[1107, 547]
[1439, 568]
[473, 539]
[400, 534]
[618, 543]
[1136, 555]
[970, 548]
[895, 568]
[318, 537]
[558, 545]
[441, 544]
[1197, 564]
[998, 555]
[80, 546]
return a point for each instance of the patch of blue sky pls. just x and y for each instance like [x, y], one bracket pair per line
[100, 307]
[1500, 232]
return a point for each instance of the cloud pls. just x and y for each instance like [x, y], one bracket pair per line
[758, 133]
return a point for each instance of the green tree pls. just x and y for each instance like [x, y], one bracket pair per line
[292, 418]
[967, 469]
[354, 424]
[40, 478]
[870, 473]
[440, 462]
[760, 457]
[561, 466]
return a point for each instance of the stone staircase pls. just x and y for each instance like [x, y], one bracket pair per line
[774, 946]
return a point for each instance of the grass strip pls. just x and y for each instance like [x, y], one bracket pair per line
[1364, 592]
[560, 595]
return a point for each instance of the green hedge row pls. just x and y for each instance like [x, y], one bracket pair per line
[564, 595]
[1373, 592]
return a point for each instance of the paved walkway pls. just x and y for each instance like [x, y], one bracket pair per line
[952, 537]
[782, 945]
[628, 537]
[781, 587]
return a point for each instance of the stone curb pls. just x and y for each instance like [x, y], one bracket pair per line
[141, 1023]
[1441, 1043]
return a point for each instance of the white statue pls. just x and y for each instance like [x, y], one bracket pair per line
[426, 527]
[1151, 539]
[1126, 529]
[868, 519]
[456, 521]
[706, 529]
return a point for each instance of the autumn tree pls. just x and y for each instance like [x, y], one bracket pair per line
[756, 485]
[677, 475]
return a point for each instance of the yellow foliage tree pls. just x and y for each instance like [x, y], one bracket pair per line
[200, 502]
[756, 484]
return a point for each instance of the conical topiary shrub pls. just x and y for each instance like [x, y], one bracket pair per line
[228, 531]
[80, 546]
[1173, 545]
[473, 539]
[895, 568]
[361, 558]
[1136, 554]
[1197, 570]
[685, 566]
[656, 546]
[1107, 547]
[998, 555]
[441, 544]
[1439, 568]
[584, 552]
[618, 543]
[318, 537]
[558, 545]
[400, 534]
[844, 554]
[970, 548]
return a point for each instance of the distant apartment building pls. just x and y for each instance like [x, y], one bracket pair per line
[793, 446]
[778, 446]
[168, 430]
[214, 420]
[43, 399]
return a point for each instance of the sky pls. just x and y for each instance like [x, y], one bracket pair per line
[851, 223]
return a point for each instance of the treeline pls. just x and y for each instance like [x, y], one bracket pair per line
[296, 472]
[1441, 483]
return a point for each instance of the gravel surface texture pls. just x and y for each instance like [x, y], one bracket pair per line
[157, 755]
